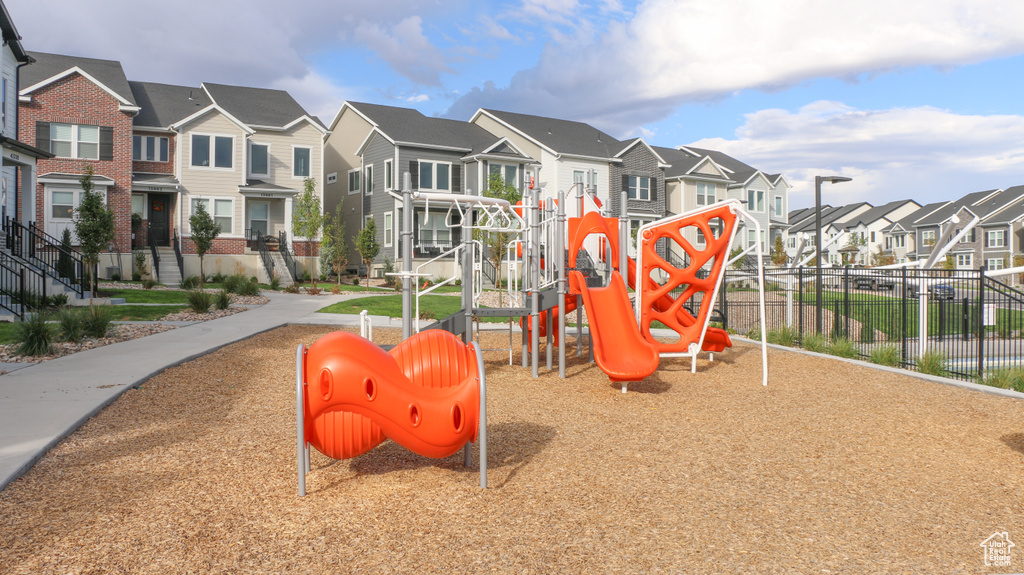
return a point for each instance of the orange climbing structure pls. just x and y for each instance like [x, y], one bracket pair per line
[425, 394]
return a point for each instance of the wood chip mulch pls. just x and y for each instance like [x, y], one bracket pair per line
[832, 468]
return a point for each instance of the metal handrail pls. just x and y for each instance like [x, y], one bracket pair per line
[264, 251]
[282, 248]
[156, 260]
[175, 241]
[34, 247]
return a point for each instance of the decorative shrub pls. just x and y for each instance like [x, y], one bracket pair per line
[889, 355]
[335, 289]
[34, 336]
[293, 288]
[199, 301]
[148, 283]
[842, 347]
[783, 336]
[222, 299]
[815, 342]
[754, 334]
[1007, 378]
[932, 363]
[275, 282]
[71, 324]
[190, 282]
[97, 322]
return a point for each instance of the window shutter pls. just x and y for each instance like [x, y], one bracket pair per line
[414, 171]
[106, 143]
[43, 135]
[456, 178]
[654, 189]
[625, 182]
[456, 235]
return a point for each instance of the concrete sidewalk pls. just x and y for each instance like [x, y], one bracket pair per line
[43, 403]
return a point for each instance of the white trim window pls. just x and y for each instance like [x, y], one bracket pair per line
[964, 261]
[389, 230]
[995, 239]
[701, 240]
[792, 242]
[578, 177]
[223, 212]
[639, 188]
[259, 217]
[778, 207]
[75, 141]
[389, 175]
[433, 231]
[899, 241]
[210, 151]
[509, 173]
[994, 264]
[706, 193]
[139, 205]
[302, 157]
[150, 148]
[435, 176]
[927, 237]
[259, 159]
[353, 181]
[755, 200]
[368, 179]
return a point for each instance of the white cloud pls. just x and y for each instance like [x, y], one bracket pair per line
[405, 48]
[417, 98]
[923, 153]
[637, 71]
[317, 94]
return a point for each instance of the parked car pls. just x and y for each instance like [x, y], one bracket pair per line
[938, 291]
[873, 282]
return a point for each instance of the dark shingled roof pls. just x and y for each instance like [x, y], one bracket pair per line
[907, 223]
[563, 136]
[877, 213]
[1011, 213]
[681, 162]
[953, 207]
[741, 172]
[411, 127]
[164, 104]
[10, 34]
[107, 72]
[256, 106]
[829, 216]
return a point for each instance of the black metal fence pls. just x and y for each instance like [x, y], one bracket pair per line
[972, 323]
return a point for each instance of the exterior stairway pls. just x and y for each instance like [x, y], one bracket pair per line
[281, 269]
[168, 273]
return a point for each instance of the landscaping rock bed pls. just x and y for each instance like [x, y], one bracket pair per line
[831, 468]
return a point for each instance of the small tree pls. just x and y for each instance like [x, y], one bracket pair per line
[881, 258]
[497, 187]
[779, 256]
[204, 231]
[94, 226]
[853, 247]
[66, 265]
[368, 246]
[308, 220]
[334, 245]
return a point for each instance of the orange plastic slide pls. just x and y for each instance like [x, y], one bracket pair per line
[424, 394]
[620, 350]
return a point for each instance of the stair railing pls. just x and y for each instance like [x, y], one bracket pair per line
[176, 242]
[286, 253]
[261, 247]
[34, 247]
[156, 260]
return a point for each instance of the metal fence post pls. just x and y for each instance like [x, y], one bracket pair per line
[800, 300]
[903, 316]
[981, 322]
[846, 302]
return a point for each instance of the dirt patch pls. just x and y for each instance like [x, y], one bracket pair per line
[832, 468]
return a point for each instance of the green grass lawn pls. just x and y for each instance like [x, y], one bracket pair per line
[391, 306]
[141, 312]
[326, 286]
[147, 296]
[7, 332]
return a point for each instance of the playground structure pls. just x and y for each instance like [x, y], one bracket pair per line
[428, 393]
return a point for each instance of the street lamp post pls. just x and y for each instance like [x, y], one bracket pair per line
[817, 238]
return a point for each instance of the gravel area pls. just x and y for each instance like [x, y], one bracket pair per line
[117, 333]
[832, 468]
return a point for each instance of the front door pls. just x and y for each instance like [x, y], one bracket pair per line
[159, 219]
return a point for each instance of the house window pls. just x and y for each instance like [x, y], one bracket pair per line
[259, 159]
[968, 237]
[368, 179]
[139, 205]
[995, 239]
[577, 178]
[259, 218]
[301, 162]
[212, 151]
[3, 103]
[872, 237]
[706, 193]
[388, 229]
[62, 205]
[508, 173]
[778, 208]
[964, 261]
[222, 212]
[751, 237]
[433, 231]
[995, 264]
[888, 242]
[928, 237]
[792, 242]
[150, 148]
[701, 241]
[435, 176]
[639, 188]
[74, 141]
[353, 181]
[900, 241]
[755, 200]
[389, 182]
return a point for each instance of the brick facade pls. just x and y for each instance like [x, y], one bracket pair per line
[76, 100]
[157, 167]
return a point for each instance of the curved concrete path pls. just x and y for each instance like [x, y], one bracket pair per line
[43, 403]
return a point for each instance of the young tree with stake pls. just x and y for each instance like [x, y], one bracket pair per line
[204, 231]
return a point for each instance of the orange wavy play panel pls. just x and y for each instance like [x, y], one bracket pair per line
[424, 394]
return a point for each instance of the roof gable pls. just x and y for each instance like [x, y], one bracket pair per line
[259, 107]
[108, 75]
[560, 137]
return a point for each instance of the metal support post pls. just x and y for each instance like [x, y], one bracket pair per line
[560, 255]
[623, 237]
[407, 307]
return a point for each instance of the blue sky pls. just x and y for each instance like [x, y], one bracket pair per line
[911, 99]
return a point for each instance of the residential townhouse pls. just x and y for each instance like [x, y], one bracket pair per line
[901, 238]
[869, 229]
[157, 150]
[18, 160]
[834, 221]
[439, 155]
[1003, 236]
[969, 252]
